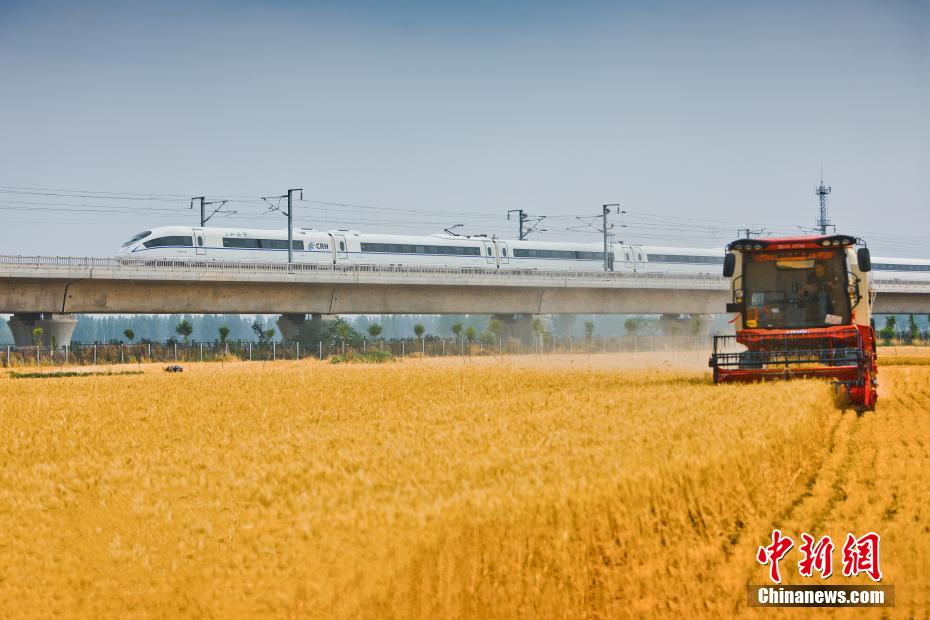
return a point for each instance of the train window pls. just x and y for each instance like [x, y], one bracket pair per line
[278, 244]
[260, 244]
[403, 248]
[682, 258]
[142, 235]
[559, 254]
[240, 242]
[504, 251]
[489, 250]
[172, 241]
[342, 246]
[894, 267]
[199, 240]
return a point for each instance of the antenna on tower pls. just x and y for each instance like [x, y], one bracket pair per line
[822, 190]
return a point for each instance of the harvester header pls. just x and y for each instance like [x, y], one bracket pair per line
[803, 309]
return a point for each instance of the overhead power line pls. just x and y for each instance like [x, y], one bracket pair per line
[170, 207]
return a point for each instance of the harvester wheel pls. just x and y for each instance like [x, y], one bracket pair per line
[870, 393]
[860, 398]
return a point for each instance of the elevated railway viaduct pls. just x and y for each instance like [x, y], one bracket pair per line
[46, 291]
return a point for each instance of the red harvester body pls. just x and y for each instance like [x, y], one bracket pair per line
[803, 309]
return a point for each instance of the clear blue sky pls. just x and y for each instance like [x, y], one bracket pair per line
[441, 113]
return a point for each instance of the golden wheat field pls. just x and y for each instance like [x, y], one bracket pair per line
[563, 487]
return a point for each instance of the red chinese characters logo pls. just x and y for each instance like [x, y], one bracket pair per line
[860, 555]
[773, 554]
[817, 556]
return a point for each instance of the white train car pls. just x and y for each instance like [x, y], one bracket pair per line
[465, 252]
[355, 248]
[229, 244]
[901, 269]
[550, 255]
[659, 259]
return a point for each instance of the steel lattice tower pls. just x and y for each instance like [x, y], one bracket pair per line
[822, 190]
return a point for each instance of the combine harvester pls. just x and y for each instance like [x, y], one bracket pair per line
[804, 309]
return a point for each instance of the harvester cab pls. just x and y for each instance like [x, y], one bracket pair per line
[803, 308]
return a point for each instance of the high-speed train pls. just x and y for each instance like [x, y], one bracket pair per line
[443, 250]
[351, 247]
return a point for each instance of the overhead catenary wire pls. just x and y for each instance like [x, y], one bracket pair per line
[180, 202]
[168, 207]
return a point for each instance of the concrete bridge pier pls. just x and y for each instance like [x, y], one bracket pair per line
[301, 327]
[56, 329]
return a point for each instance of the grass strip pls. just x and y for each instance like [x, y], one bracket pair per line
[69, 373]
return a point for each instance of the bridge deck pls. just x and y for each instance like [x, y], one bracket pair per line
[197, 270]
[90, 284]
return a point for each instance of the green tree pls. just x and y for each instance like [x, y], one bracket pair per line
[912, 328]
[264, 336]
[343, 329]
[888, 331]
[487, 338]
[130, 335]
[588, 330]
[631, 326]
[184, 329]
[224, 333]
[37, 336]
[374, 330]
[457, 330]
[470, 333]
[539, 331]
[419, 330]
[697, 324]
[539, 328]
[496, 328]
[340, 331]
